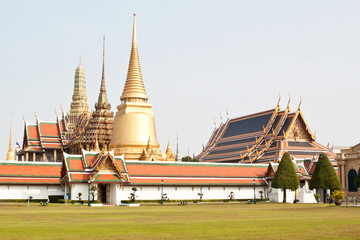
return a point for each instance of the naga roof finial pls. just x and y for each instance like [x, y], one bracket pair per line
[288, 105]
[300, 103]
[278, 104]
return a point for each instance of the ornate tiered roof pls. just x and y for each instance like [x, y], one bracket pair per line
[96, 167]
[263, 137]
[44, 135]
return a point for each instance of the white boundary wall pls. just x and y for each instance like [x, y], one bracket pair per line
[24, 191]
[184, 192]
[305, 195]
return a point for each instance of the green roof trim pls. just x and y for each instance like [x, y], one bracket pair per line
[197, 176]
[36, 176]
[200, 184]
[31, 164]
[201, 164]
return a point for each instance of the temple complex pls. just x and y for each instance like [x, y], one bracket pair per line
[94, 132]
[134, 132]
[264, 137]
[100, 154]
[79, 104]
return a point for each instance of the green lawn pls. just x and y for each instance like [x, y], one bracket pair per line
[192, 221]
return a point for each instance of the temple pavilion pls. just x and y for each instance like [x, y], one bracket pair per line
[264, 137]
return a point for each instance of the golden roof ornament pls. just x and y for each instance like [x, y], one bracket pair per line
[96, 148]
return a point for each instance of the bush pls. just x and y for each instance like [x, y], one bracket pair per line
[129, 201]
[55, 198]
[317, 197]
[338, 195]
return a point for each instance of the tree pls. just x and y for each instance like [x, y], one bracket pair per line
[286, 176]
[324, 176]
[133, 194]
[357, 180]
[189, 159]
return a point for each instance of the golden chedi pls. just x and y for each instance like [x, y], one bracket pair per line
[134, 132]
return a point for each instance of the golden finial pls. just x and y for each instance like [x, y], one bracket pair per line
[56, 112]
[220, 117]
[96, 148]
[23, 117]
[134, 40]
[168, 147]
[36, 116]
[215, 122]
[80, 61]
[227, 113]
[300, 103]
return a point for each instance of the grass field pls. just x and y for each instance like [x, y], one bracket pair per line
[192, 221]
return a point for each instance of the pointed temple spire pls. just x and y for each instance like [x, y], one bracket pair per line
[102, 96]
[10, 154]
[134, 85]
[79, 100]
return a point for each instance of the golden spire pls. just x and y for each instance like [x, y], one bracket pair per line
[134, 85]
[10, 154]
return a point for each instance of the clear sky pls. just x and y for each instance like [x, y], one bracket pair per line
[197, 58]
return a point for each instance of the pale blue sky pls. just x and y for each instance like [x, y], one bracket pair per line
[197, 58]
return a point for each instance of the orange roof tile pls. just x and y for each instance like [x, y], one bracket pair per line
[187, 169]
[49, 129]
[30, 169]
[197, 181]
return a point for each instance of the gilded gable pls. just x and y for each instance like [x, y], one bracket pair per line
[107, 165]
[298, 131]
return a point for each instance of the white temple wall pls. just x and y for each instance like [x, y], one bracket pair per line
[79, 188]
[188, 192]
[305, 195]
[114, 193]
[24, 191]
